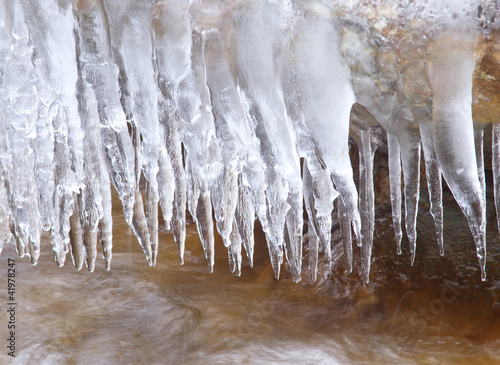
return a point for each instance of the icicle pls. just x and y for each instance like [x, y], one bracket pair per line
[200, 206]
[313, 252]
[345, 229]
[245, 217]
[152, 218]
[130, 32]
[495, 159]
[5, 234]
[166, 185]
[367, 200]
[56, 233]
[478, 143]
[202, 152]
[172, 53]
[319, 195]
[100, 71]
[234, 251]
[228, 115]
[320, 84]
[106, 222]
[409, 143]
[434, 182]
[255, 66]
[395, 186]
[174, 149]
[293, 235]
[140, 227]
[76, 237]
[451, 78]
[361, 133]
[90, 242]
[19, 104]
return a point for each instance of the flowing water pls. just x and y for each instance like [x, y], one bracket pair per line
[172, 314]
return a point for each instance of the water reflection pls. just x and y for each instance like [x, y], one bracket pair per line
[175, 314]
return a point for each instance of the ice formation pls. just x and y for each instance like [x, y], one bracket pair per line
[241, 110]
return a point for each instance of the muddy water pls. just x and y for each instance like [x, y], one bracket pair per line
[173, 314]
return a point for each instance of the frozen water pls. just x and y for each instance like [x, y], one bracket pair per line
[237, 111]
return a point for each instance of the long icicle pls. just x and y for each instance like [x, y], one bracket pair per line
[410, 157]
[495, 159]
[451, 71]
[395, 186]
[434, 181]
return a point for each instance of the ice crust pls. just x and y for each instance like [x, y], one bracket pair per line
[237, 111]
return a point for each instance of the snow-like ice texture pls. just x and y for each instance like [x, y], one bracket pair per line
[237, 111]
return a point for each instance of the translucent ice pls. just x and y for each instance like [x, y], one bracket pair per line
[237, 111]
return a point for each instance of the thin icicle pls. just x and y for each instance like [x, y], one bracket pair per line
[245, 217]
[106, 222]
[293, 235]
[434, 181]
[319, 195]
[345, 229]
[395, 186]
[409, 143]
[200, 206]
[76, 236]
[152, 218]
[234, 251]
[174, 149]
[140, 227]
[478, 143]
[313, 252]
[366, 198]
[495, 159]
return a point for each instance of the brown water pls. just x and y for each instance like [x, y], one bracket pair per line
[173, 314]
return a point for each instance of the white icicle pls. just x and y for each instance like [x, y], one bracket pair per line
[319, 195]
[320, 84]
[19, 104]
[90, 242]
[245, 217]
[166, 184]
[234, 251]
[76, 236]
[106, 222]
[99, 70]
[255, 64]
[451, 72]
[202, 151]
[174, 149]
[131, 34]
